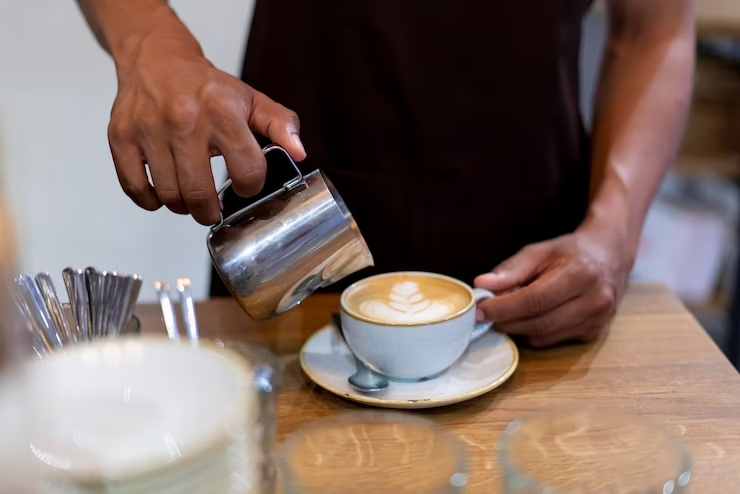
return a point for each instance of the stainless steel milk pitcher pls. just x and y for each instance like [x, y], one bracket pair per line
[274, 253]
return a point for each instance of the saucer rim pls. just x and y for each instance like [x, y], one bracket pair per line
[132, 470]
[407, 404]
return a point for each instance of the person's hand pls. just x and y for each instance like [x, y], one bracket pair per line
[174, 111]
[559, 290]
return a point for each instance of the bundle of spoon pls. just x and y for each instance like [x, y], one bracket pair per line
[187, 307]
[102, 305]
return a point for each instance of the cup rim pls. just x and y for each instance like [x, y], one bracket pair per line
[471, 304]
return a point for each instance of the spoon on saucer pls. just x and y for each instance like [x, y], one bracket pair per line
[364, 379]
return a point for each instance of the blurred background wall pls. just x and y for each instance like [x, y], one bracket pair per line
[56, 91]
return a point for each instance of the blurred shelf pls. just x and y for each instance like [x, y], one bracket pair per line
[718, 18]
[723, 166]
[718, 306]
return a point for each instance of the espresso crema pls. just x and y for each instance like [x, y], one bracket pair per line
[407, 298]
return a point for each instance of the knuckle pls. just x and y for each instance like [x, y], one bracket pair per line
[169, 195]
[592, 270]
[606, 302]
[182, 115]
[121, 132]
[199, 194]
[212, 90]
[588, 270]
[535, 302]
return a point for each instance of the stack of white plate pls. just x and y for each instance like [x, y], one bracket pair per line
[144, 416]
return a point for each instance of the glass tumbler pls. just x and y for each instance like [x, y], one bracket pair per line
[373, 453]
[266, 382]
[592, 452]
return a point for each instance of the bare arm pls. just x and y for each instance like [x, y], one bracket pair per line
[174, 110]
[116, 23]
[87, 10]
[570, 287]
[642, 103]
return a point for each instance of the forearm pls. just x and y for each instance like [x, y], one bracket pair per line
[642, 103]
[122, 27]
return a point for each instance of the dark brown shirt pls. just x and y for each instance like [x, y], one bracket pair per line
[451, 129]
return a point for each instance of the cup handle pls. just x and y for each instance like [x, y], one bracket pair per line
[482, 327]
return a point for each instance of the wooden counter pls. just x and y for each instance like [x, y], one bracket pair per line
[655, 360]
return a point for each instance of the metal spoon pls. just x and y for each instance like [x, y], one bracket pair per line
[39, 345]
[108, 301]
[364, 379]
[54, 306]
[93, 281]
[168, 310]
[188, 308]
[131, 286]
[74, 281]
[37, 314]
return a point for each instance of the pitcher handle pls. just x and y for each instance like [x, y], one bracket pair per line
[292, 183]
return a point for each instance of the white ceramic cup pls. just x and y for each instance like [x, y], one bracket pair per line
[413, 352]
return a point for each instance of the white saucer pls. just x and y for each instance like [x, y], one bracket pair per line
[487, 364]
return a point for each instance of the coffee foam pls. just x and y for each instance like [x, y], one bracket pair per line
[407, 299]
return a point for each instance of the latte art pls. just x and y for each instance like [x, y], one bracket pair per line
[407, 304]
[407, 298]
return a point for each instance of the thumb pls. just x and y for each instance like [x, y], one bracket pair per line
[515, 272]
[277, 123]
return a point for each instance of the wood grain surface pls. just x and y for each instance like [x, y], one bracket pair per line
[655, 360]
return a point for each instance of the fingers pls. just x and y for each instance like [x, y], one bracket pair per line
[164, 176]
[556, 322]
[231, 136]
[177, 128]
[132, 173]
[244, 158]
[247, 167]
[278, 123]
[582, 332]
[552, 289]
[580, 319]
[517, 271]
[195, 180]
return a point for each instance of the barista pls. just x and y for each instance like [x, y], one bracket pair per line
[452, 130]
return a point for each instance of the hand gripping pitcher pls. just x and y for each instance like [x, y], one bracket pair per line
[274, 253]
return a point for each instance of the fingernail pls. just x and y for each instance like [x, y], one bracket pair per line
[479, 315]
[297, 142]
[486, 279]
